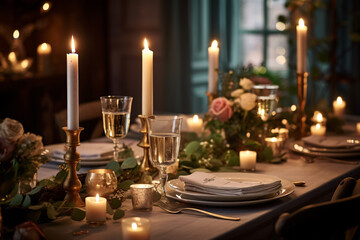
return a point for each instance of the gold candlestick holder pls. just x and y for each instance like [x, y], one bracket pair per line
[146, 165]
[302, 92]
[72, 184]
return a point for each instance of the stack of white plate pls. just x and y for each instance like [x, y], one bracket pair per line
[176, 190]
[328, 146]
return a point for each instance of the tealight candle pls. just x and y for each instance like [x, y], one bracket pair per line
[44, 60]
[135, 228]
[339, 107]
[358, 127]
[195, 124]
[319, 118]
[276, 145]
[95, 210]
[318, 129]
[247, 160]
[142, 196]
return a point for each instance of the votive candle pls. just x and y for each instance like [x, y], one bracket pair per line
[318, 129]
[95, 209]
[44, 58]
[276, 145]
[135, 228]
[358, 127]
[142, 196]
[195, 124]
[339, 107]
[247, 160]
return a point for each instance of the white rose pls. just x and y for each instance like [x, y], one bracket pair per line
[246, 83]
[247, 101]
[11, 130]
[236, 93]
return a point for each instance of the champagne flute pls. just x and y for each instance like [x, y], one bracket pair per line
[116, 118]
[164, 136]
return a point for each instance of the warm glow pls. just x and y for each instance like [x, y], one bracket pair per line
[12, 57]
[214, 44]
[301, 23]
[293, 108]
[97, 198]
[16, 34]
[134, 226]
[44, 46]
[339, 100]
[280, 60]
[196, 118]
[319, 117]
[273, 139]
[46, 6]
[25, 63]
[72, 44]
[280, 26]
[146, 46]
[317, 126]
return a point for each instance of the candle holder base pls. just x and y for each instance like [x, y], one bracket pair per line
[302, 93]
[72, 184]
[146, 167]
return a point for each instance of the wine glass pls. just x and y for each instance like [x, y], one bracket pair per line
[164, 137]
[116, 118]
[267, 100]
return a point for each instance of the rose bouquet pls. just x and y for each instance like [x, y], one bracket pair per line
[21, 155]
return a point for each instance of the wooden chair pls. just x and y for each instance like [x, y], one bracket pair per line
[89, 114]
[335, 219]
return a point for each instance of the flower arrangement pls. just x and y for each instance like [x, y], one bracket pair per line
[21, 155]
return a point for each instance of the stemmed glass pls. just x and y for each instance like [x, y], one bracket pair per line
[116, 118]
[267, 100]
[164, 136]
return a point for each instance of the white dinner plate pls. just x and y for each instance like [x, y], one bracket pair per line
[179, 187]
[287, 189]
[90, 163]
[300, 147]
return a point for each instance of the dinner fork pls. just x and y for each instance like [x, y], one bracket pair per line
[172, 208]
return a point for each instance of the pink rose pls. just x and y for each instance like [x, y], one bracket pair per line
[221, 109]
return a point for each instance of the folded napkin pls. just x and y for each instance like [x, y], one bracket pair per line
[332, 141]
[211, 184]
[86, 150]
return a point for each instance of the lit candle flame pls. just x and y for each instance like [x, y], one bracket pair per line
[301, 23]
[317, 126]
[44, 46]
[214, 44]
[72, 44]
[293, 108]
[46, 6]
[16, 34]
[97, 197]
[12, 57]
[339, 100]
[134, 226]
[319, 117]
[146, 46]
[196, 118]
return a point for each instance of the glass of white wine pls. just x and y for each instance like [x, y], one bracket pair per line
[164, 135]
[116, 118]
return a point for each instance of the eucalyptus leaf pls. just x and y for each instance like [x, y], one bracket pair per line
[113, 165]
[200, 170]
[34, 191]
[51, 212]
[192, 147]
[109, 209]
[78, 214]
[119, 214]
[27, 201]
[125, 185]
[60, 176]
[129, 163]
[267, 154]
[115, 203]
[17, 200]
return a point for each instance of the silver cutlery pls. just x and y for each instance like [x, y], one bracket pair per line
[175, 208]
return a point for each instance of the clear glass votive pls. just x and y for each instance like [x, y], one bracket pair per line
[247, 160]
[100, 181]
[276, 144]
[142, 196]
[135, 228]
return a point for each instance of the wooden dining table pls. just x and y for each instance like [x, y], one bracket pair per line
[321, 177]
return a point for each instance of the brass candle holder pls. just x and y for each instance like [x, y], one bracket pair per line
[146, 165]
[72, 184]
[302, 92]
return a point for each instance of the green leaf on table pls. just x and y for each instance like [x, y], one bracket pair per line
[34, 191]
[200, 170]
[182, 172]
[109, 209]
[27, 201]
[119, 214]
[253, 145]
[113, 165]
[115, 203]
[129, 163]
[78, 214]
[17, 200]
[192, 147]
[46, 182]
[227, 169]
[51, 212]
[267, 154]
[231, 158]
[125, 185]
[60, 176]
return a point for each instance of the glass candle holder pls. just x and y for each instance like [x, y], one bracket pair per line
[142, 196]
[135, 228]
[276, 144]
[247, 160]
[100, 181]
